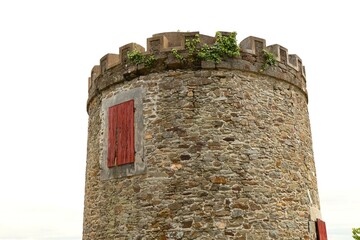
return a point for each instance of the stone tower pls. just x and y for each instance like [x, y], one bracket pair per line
[180, 148]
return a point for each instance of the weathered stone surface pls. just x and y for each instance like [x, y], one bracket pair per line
[228, 155]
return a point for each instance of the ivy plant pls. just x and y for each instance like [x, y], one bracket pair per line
[208, 53]
[149, 60]
[136, 57]
[177, 55]
[269, 60]
[356, 233]
[225, 46]
[192, 43]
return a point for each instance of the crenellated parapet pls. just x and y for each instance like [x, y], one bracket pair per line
[161, 46]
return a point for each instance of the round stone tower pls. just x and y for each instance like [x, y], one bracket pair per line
[184, 147]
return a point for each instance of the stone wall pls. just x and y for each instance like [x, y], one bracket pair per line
[227, 149]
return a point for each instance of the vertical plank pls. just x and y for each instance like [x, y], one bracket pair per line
[112, 136]
[321, 230]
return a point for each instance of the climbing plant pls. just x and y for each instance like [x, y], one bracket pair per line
[356, 233]
[177, 54]
[269, 60]
[149, 60]
[225, 46]
[136, 57]
[192, 43]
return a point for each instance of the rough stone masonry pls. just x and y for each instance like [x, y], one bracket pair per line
[222, 151]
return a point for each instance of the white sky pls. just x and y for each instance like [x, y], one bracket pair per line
[47, 50]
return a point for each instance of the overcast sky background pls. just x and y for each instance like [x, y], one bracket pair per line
[47, 50]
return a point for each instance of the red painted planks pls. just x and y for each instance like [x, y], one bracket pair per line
[121, 147]
[321, 229]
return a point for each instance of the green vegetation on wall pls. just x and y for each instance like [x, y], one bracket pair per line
[136, 57]
[269, 60]
[356, 233]
[225, 46]
[177, 55]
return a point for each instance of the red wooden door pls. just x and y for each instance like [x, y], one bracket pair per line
[121, 148]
